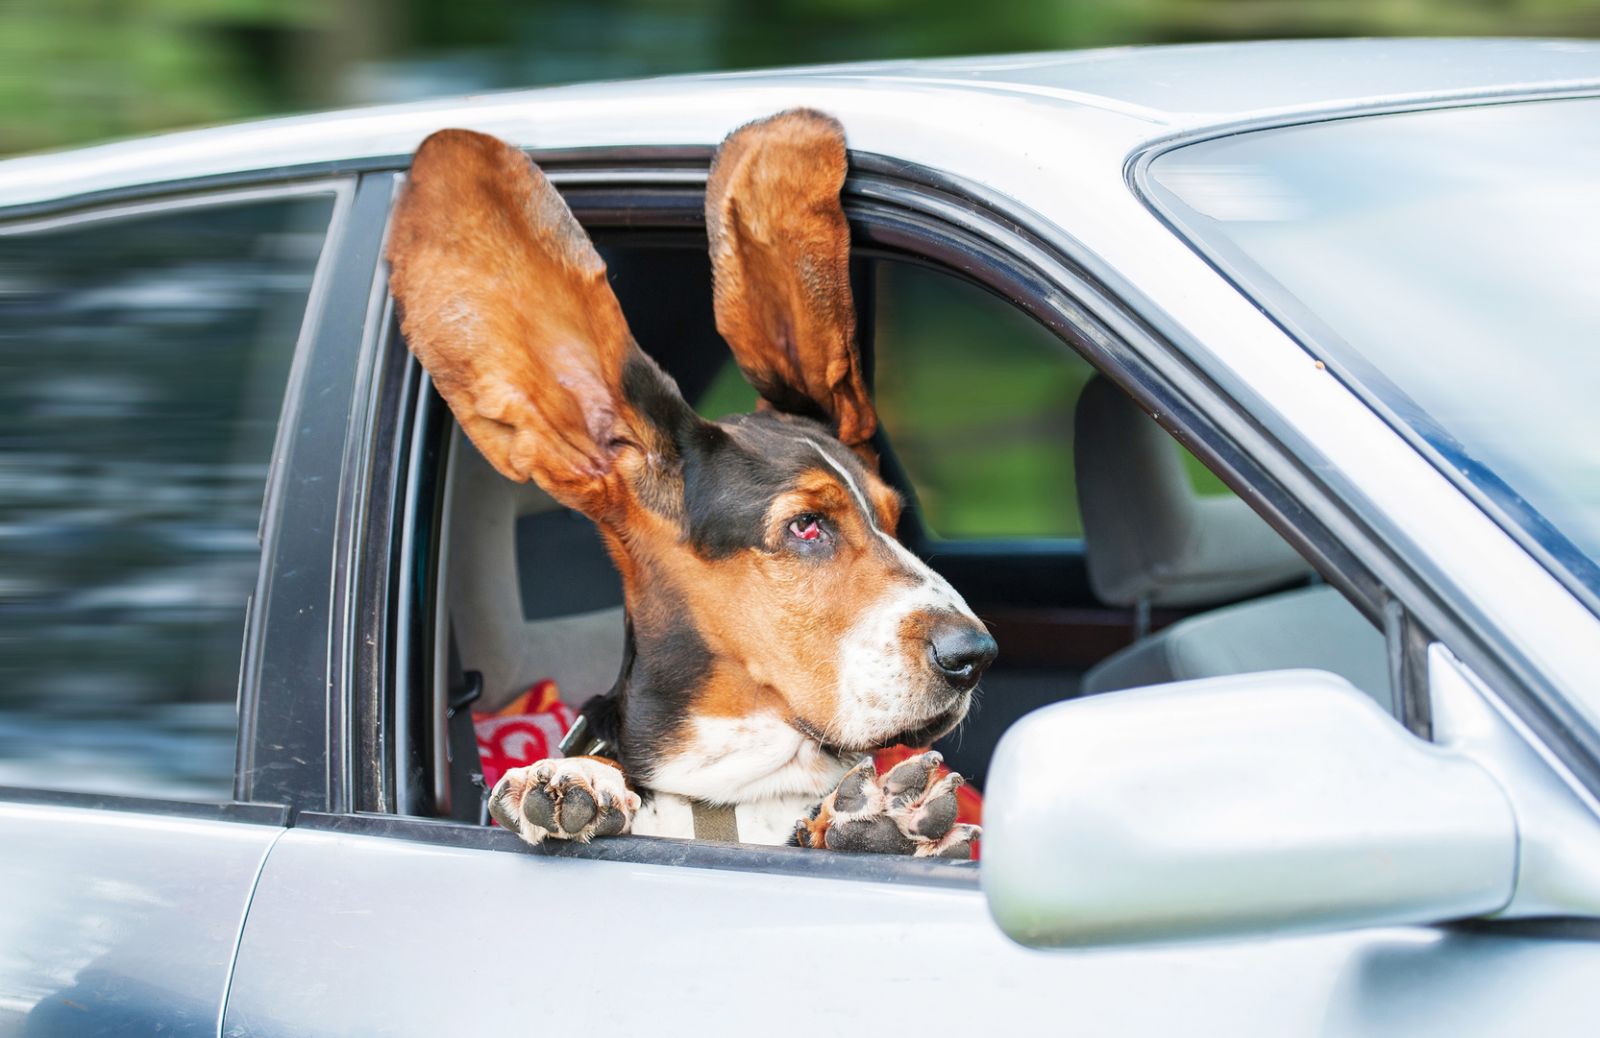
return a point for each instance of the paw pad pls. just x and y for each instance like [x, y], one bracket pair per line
[909, 810]
[572, 799]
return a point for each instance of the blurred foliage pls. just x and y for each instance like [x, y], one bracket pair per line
[978, 401]
[79, 70]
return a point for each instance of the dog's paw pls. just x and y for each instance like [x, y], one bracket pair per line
[910, 810]
[575, 798]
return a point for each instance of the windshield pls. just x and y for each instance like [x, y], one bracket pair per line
[1449, 262]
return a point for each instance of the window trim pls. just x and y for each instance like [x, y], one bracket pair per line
[240, 807]
[656, 850]
[341, 189]
[202, 810]
[293, 719]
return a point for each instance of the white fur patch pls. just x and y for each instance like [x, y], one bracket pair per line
[880, 690]
[735, 760]
[665, 814]
[769, 822]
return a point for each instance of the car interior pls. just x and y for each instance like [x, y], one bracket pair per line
[1100, 554]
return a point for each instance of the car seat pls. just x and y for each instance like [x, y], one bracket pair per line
[1152, 539]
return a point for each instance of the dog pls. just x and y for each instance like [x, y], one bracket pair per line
[777, 632]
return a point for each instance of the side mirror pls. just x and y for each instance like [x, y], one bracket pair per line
[1251, 804]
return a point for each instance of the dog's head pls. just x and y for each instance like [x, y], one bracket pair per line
[758, 554]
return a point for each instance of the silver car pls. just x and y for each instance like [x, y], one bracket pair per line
[1250, 393]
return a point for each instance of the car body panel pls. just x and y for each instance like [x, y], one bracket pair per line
[120, 923]
[360, 934]
[899, 108]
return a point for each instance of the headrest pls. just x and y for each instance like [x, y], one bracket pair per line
[1149, 535]
[511, 641]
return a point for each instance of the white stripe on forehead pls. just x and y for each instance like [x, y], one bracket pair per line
[849, 481]
[904, 554]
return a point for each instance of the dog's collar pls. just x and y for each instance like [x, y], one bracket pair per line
[718, 822]
[582, 741]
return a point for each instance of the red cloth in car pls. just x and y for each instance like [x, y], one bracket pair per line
[527, 729]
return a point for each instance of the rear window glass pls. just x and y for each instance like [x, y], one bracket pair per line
[143, 363]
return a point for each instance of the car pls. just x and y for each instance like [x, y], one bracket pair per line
[1244, 390]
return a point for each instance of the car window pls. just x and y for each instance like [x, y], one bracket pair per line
[143, 362]
[978, 399]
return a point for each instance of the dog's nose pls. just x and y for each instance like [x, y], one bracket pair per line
[962, 650]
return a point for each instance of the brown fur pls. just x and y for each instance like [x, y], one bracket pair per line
[505, 302]
[782, 279]
[812, 832]
[782, 620]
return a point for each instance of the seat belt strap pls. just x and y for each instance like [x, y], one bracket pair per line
[469, 800]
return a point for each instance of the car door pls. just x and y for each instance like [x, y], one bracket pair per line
[147, 350]
[388, 914]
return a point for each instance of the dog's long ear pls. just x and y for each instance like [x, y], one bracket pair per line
[780, 255]
[505, 302]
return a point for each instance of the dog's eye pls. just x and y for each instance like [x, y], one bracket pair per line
[807, 528]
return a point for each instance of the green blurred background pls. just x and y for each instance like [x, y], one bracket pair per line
[81, 70]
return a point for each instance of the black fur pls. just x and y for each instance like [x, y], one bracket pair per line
[663, 667]
[730, 480]
[654, 394]
[787, 398]
[726, 493]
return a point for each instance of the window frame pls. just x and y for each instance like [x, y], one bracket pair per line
[295, 680]
[895, 211]
[177, 198]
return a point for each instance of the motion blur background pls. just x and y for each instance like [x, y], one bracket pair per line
[143, 360]
[80, 70]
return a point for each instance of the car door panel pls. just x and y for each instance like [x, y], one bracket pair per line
[353, 934]
[117, 922]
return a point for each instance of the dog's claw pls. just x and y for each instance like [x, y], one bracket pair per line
[909, 810]
[577, 798]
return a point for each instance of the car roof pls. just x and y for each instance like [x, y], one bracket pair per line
[1113, 99]
[1230, 81]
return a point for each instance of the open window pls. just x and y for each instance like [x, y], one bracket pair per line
[1100, 551]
